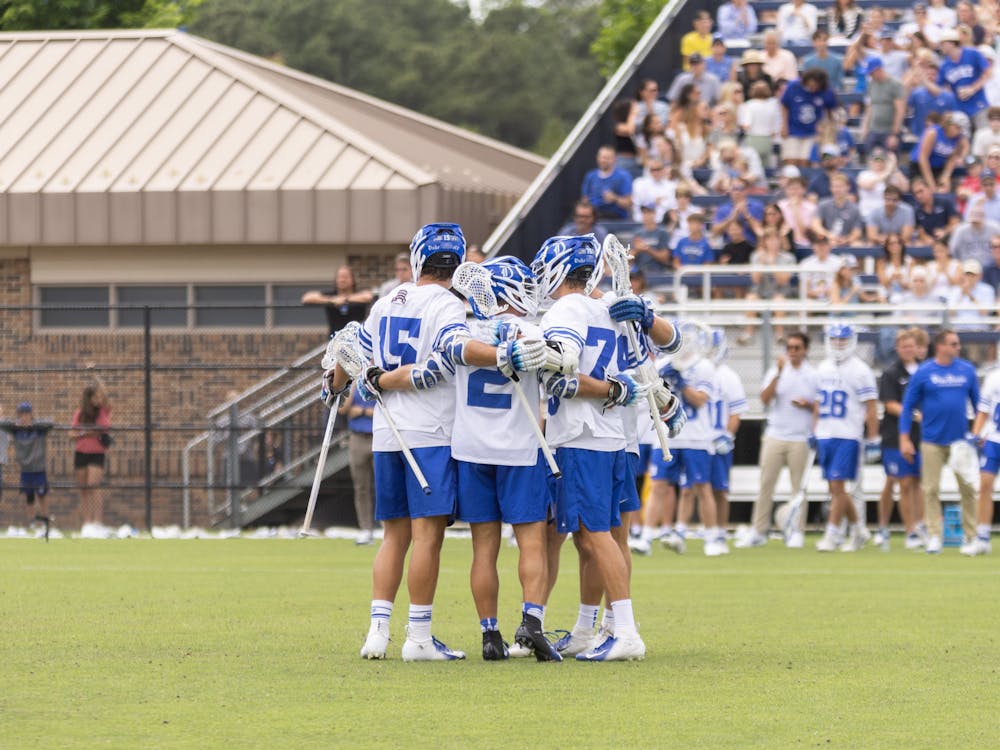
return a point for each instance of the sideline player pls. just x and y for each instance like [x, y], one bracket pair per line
[728, 403]
[986, 429]
[848, 401]
[414, 334]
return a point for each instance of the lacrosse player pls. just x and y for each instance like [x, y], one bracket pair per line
[416, 334]
[847, 408]
[728, 402]
[502, 473]
[986, 432]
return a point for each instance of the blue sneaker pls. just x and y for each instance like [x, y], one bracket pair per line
[616, 649]
[429, 650]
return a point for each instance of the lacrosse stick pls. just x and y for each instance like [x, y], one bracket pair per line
[617, 257]
[328, 362]
[798, 499]
[353, 361]
[474, 283]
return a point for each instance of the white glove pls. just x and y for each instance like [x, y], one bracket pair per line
[559, 358]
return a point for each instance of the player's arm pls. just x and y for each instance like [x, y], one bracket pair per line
[980, 421]
[618, 390]
[871, 419]
[695, 396]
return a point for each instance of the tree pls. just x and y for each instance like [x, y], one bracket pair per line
[623, 22]
[21, 15]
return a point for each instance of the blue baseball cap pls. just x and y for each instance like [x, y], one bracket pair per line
[24, 406]
[873, 64]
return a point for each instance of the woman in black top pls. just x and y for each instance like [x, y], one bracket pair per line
[344, 303]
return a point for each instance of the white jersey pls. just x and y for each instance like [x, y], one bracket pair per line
[582, 324]
[628, 360]
[989, 403]
[491, 427]
[785, 421]
[406, 327]
[698, 432]
[730, 398]
[844, 390]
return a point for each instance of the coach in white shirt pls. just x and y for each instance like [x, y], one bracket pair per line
[789, 394]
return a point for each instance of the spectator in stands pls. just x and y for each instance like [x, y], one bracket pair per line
[822, 59]
[648, 101]
[652, 143]
[401, 274]
[730, 162]
[940, 149]
[677, 218]
[883, 120]
[751, 71]
[739, 208]
[699, 40]
[584, 222]
[816, 272]
[919, 24]
[769, 285]
[736, 20]
[967, 17]
[797, 21]
[774, 219]
[785, 174]
[688, 130]
[608, 188]
[651, 243]
[831, 162]
[693, 249]
[943, 270]
[803, 105]
[847, 290]
[833, 131]
[656, 189]
[623, 122]
[860, 51]
[935, 215]
[991, 273]
[719, 64]
[344, 302]
[987, 197]
[921, 102]
[969, 185]
[778, 63]
[993, 85]
[725, 127]
[972, 301]
[895, 60]
[707, 84]
[799, 214]
[987, 138]
[941, 15]
[872, 182]
[895, 267]
[837, 217]
[919, 296]
[761, 121]
[892, 217]
[971, 240]
[844, 19]
[738, 250]
[965, 72]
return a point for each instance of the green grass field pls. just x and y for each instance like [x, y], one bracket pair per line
[254, 644]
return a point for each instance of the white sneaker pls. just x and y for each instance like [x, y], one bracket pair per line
[933, 546]
[976, 546]
[640, 546]
[714, 549]
[364, 538]
[377, 641]
[914, 541]
[796, 540]
[616, 649]
[752, 539]
[722, 545]
[673, 540]
[858, 539]
[827, 544]
[576, 642]
[430, 650]
[881, 539]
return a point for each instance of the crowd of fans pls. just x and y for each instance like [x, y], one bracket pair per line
[860, 144]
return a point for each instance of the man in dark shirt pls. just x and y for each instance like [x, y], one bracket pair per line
[891, 387]
[935, 215]
[831, 162]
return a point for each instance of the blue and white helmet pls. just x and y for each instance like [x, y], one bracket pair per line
[841, 341]
[440, 239]
[562, 256]
[513, 283]
[718, 347]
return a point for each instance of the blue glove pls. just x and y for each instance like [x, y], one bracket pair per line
[873, 451]
[368, 387]
[634, 308]
[813, 443]
[426, 375]
[976, 441]
[562, 386]
[675, 422]
[673, 379]
[724, 444]
[624, 391]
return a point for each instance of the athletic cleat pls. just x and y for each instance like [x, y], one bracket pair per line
[494, 648]
[795, 540]
[722, 545]
[914, 541]
[531, 627]
[364, 539]
[576, 642]
[827, 544]
[933, 546]
[377, 641]
[714, 549]
[673, 540]
[881, 540]
[522, 646]
[975, 547]
[430, 650]
[858, 539]
[640, 546]
[616, 649]
[752, 539]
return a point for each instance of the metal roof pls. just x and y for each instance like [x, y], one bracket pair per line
[159, 137]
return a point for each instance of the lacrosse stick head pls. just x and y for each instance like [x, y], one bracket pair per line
[718, 347]
[439, 245]
[617, 258]
[348, 352]
[695, 344]
[498, 284]
[329, 360]
[563, 257]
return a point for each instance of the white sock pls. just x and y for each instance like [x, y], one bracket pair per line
[420, 622]
[624, 619]
[608, 620]
[832, 531]
[587, 617]
[681, 529]
[983, 531]
[381, 612]
[649, 533]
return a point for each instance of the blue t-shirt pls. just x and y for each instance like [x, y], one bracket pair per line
[364, 422]
[754, 208]
[970, 67]
[805, 108]
[618, 182]
[944, 147]
[942, 394]
[694, 252]
[922, 102]
[820, 185]
[832, 65]
[845, 142]
[719, 68]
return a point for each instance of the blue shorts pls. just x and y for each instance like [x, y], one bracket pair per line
[512, 494]
[585, 496]
[696, 466]
[625, 489]
[839, 458]
[34, 483]
[897, 466]
[644, 459]
[665, 471]
[721, 466]
[397, 492]
[989, 461]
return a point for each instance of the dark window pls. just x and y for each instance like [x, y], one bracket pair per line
[238, 306]
[67, 306]
[172, 298]
[289, 310]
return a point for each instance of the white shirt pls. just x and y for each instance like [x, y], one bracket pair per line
[843, 391]
[816, 275]
[661, 193]
[785, 421]
[871, 198]
[969, 310]
[405, 327]
[797, 24]
[760, 117]
[698, 432]
[730, 398]
[989, 401]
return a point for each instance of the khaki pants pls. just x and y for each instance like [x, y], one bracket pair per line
[774, 456]
[933, 458]
[362, 464]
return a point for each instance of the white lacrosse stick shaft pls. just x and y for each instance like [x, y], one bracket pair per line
[799, 498]
[616, 256]
[407, 453]
[533, 415]
[318, 479]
